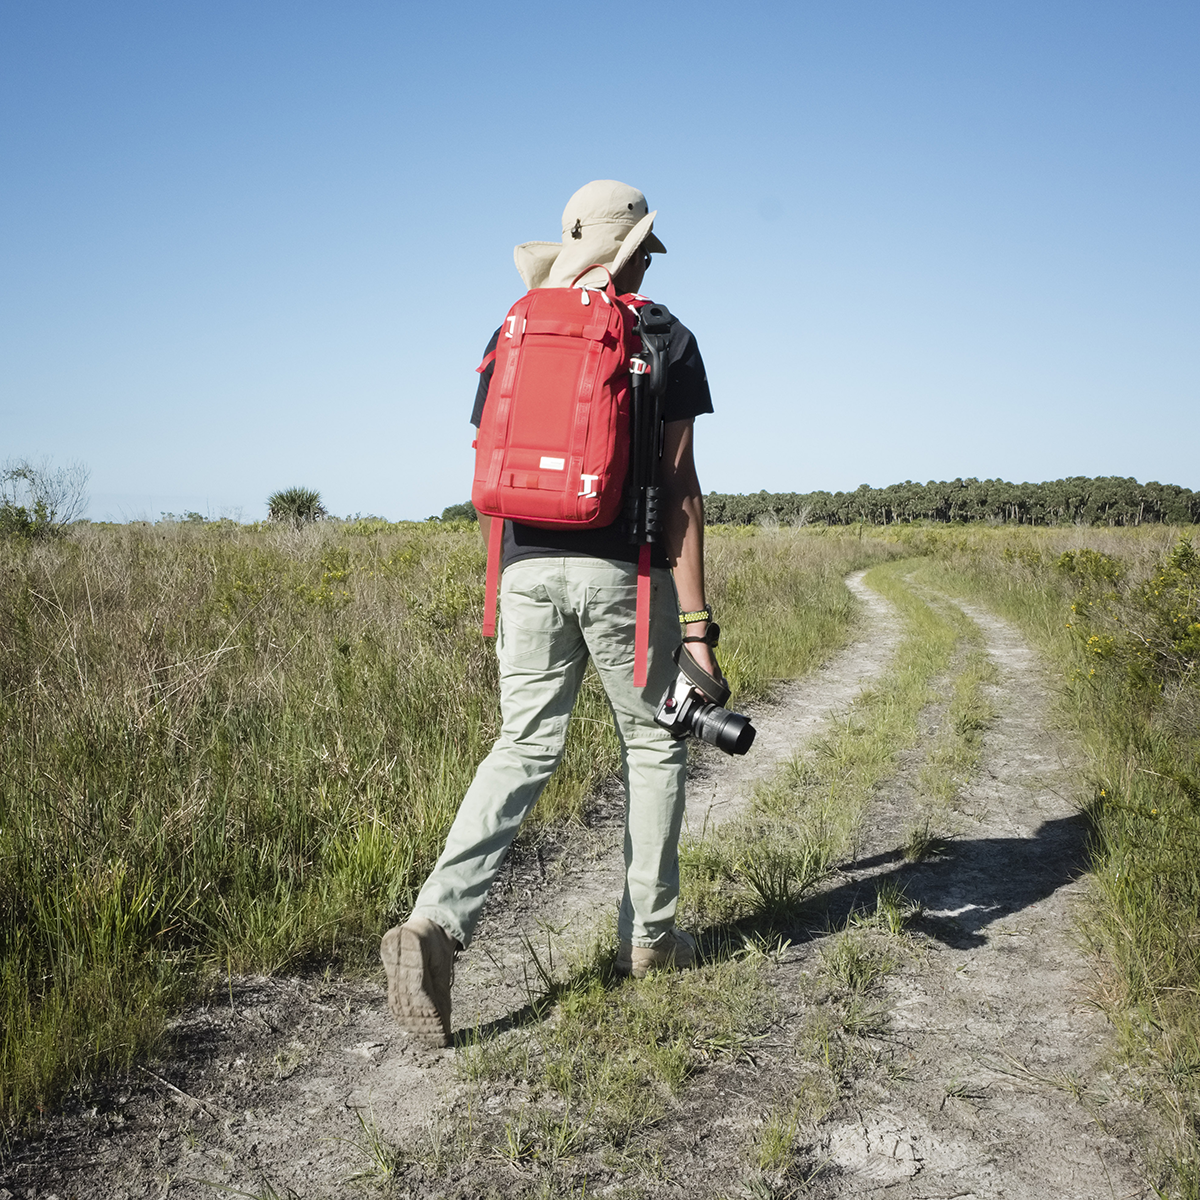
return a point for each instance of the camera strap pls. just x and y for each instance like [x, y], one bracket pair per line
[715, 687]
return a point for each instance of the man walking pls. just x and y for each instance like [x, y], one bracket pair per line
[567, 596]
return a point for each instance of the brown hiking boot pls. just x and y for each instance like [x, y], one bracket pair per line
[419, 959]
[674, 951]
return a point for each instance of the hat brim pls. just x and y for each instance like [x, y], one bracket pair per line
[640, 237]
[534, 260]
[555, 264]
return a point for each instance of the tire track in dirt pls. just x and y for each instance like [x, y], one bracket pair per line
[802, 710]
[276, 1078]
[1005, 1092]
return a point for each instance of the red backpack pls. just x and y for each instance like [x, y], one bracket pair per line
[554, 441]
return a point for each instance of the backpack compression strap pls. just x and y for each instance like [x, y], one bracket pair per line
[641, 628]
[491, 589]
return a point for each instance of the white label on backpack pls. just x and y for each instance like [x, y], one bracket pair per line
[552, 464]
[589, 485]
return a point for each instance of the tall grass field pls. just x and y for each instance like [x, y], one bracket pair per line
[229, 748]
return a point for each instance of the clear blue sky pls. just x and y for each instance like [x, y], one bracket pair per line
[250, 245]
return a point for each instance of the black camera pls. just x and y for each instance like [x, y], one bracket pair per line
[686, 709]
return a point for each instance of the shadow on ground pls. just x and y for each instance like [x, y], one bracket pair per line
[968, 885]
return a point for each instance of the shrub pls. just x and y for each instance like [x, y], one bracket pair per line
[39, 501]
[1151, 627]
[15, 521]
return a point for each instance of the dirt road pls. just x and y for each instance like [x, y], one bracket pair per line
[985, 1080]
[1003, 1091]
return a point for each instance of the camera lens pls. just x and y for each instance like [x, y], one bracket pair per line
[728, 731]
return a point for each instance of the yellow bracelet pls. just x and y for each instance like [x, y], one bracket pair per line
[690, 618]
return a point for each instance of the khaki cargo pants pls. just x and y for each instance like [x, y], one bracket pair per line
[554, 614]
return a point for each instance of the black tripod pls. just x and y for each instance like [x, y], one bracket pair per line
[643, 510]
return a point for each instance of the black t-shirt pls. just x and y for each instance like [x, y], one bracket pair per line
[687, 396]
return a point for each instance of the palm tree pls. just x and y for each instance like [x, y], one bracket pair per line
[296, 505]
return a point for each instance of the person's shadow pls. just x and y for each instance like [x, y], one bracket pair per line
[959, 890]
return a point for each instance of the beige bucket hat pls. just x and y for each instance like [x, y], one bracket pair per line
[604, 222]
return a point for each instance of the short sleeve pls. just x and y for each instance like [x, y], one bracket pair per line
[687, 383]
[485, 380]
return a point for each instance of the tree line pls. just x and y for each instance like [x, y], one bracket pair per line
[1107, 500]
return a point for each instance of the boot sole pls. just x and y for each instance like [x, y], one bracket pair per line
[408, 998]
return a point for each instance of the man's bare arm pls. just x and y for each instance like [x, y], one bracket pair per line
[683, 529]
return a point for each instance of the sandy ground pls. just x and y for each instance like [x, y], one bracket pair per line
[994, 1083]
